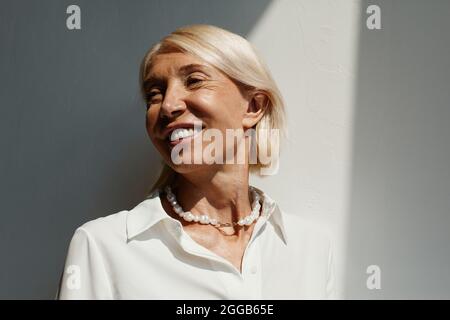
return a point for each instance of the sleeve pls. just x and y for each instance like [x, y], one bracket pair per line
[331, 287]
[84, 275]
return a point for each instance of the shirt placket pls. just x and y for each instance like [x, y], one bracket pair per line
[248, 284]
[245, 285]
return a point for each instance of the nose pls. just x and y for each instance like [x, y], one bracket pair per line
[173, 104]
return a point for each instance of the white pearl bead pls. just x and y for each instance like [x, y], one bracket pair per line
[204, 219]
[178, 209]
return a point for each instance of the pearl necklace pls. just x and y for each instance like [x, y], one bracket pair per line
[205, 219]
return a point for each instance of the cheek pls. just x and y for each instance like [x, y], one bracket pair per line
[231, 115]
[221, 108]
[151, 119]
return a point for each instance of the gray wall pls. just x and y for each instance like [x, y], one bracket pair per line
[399, 215]
[72, 127]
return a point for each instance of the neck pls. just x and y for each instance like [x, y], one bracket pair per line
[222, 194]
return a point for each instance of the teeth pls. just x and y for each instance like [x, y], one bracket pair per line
[182, 133]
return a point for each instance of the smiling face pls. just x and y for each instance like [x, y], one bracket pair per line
[182, 90]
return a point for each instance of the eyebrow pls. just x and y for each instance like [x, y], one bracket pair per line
[186, 69]
[191, 67]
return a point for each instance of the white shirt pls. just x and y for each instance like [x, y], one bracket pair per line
[144, 253]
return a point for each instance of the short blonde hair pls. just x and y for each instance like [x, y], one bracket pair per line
[235, 57]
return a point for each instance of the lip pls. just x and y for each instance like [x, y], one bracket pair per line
[166, 132]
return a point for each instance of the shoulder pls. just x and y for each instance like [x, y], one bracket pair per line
[99, 234]
[114, 227]
[106, 227]
[313, 239]
[301, 229]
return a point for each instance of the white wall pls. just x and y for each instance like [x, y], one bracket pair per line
[311, 48]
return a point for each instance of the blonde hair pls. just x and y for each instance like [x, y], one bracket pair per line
[239, 60]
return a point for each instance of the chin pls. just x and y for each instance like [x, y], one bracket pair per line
[191, 168]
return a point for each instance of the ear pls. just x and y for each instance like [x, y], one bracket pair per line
[255, 109]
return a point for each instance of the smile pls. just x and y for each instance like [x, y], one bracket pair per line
[182, 135]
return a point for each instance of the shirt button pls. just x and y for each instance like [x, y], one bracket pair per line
[253, 269]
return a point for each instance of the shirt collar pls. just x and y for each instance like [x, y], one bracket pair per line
[145, 215]
[273, 214]
[150, 211]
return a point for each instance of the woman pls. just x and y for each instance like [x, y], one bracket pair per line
[203, 232]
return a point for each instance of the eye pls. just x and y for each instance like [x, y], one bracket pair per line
[153, 96]
[192, 81]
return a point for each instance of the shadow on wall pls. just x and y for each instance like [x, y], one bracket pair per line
[73, 139]
[399, 211]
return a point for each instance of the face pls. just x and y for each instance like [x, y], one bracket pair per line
[183, 90]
